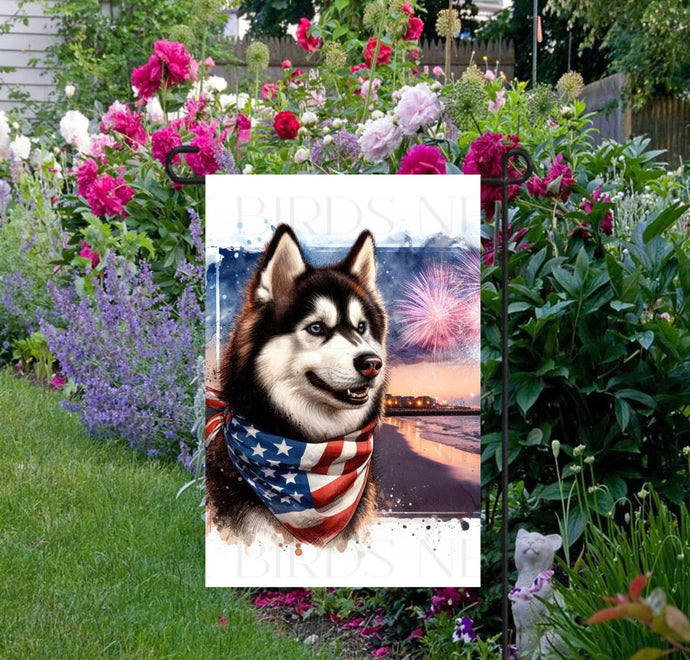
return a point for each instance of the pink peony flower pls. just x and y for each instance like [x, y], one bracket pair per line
[86, 175]
[379, 139]
[205, 161]
[286, 64]
[120, 119]
[489, 250]
[108, 196]
[498, 102]
[437, 70]
[364, 89]
[177, 60]
[380, 652]
[58, 381]
[163, 141]
[606, 225]
[418, 107]
[148, 78]
[415, 27]
[89, 253]
[269, 91]
[407, 8]
[557, 182]
[358, 67]
[310, 44]
[423, 159]
[485, 157]
[98, 144]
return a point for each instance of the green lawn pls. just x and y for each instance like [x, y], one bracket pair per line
[97, 557]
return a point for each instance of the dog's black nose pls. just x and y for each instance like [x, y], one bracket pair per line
[368, 364]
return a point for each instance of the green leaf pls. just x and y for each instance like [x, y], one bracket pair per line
[528, 393]
[622, 413]
[534, 437]
[640, 397]
[663, 220]
[619, 305]
[452, 169]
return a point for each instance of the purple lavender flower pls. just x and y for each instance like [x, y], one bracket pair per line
[132, 355]
[5, 195]
[464, 630]
[344, 148]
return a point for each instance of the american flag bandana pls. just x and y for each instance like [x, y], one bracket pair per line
[311, 488]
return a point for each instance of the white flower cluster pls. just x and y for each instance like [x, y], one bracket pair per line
[74, 128]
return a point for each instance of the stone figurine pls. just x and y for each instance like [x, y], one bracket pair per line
[534, 554]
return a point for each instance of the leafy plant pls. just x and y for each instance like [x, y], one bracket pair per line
[34, 356]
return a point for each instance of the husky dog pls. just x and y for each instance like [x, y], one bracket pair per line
[306, 361]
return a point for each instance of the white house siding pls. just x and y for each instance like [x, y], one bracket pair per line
[19, 47]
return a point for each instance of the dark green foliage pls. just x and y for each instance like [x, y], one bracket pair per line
[271, 19]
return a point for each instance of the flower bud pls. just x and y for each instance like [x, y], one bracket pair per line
[301, 156]
[327, 140]
[555, 448]
[248, 169]
[308, 118]
[69, 91]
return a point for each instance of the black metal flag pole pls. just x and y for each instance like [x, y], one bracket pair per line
[505, 182]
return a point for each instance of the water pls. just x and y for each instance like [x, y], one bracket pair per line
[460, 431]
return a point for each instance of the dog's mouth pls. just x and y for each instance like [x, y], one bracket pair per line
[355, 396]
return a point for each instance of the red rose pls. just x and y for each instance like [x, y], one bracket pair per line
[415, 28]
[384, 55]
[423, 160]
[358, 67]
[286, 125]
[310, 44]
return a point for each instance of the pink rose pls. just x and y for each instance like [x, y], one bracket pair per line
[269, 91]
[437, 70]
[87, 252]
[286, 64]
[415, 27]
[310, 44]
[163, 141]
[423, 159]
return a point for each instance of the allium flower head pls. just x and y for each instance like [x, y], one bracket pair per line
[334, 55]
[466, 101]
[182, 33]
[570, 86]
[541, 102]
[207, 10]
[257, 57]
[473, 72]
[375, 15]
[418, 107]
[448, 23]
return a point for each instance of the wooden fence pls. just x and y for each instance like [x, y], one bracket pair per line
[666, 121]
[433, 54]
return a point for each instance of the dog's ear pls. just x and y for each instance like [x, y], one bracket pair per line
[361, 262]
[283, 263]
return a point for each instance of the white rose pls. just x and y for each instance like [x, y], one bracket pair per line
[215, 84]
[308, 118]
[69, 91]
[154, 111]
[301, 156]
[21, 147]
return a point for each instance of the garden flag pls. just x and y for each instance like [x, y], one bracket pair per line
[343, 381]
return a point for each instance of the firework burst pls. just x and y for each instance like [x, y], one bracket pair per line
[431, 311]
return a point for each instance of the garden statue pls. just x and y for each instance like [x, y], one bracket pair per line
[534, 555]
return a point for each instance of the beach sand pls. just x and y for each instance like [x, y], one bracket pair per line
[417, 477]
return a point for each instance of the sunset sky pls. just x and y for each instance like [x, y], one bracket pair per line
[451, 382]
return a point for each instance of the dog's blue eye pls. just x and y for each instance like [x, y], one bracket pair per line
[315, 329]
[361, 328]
